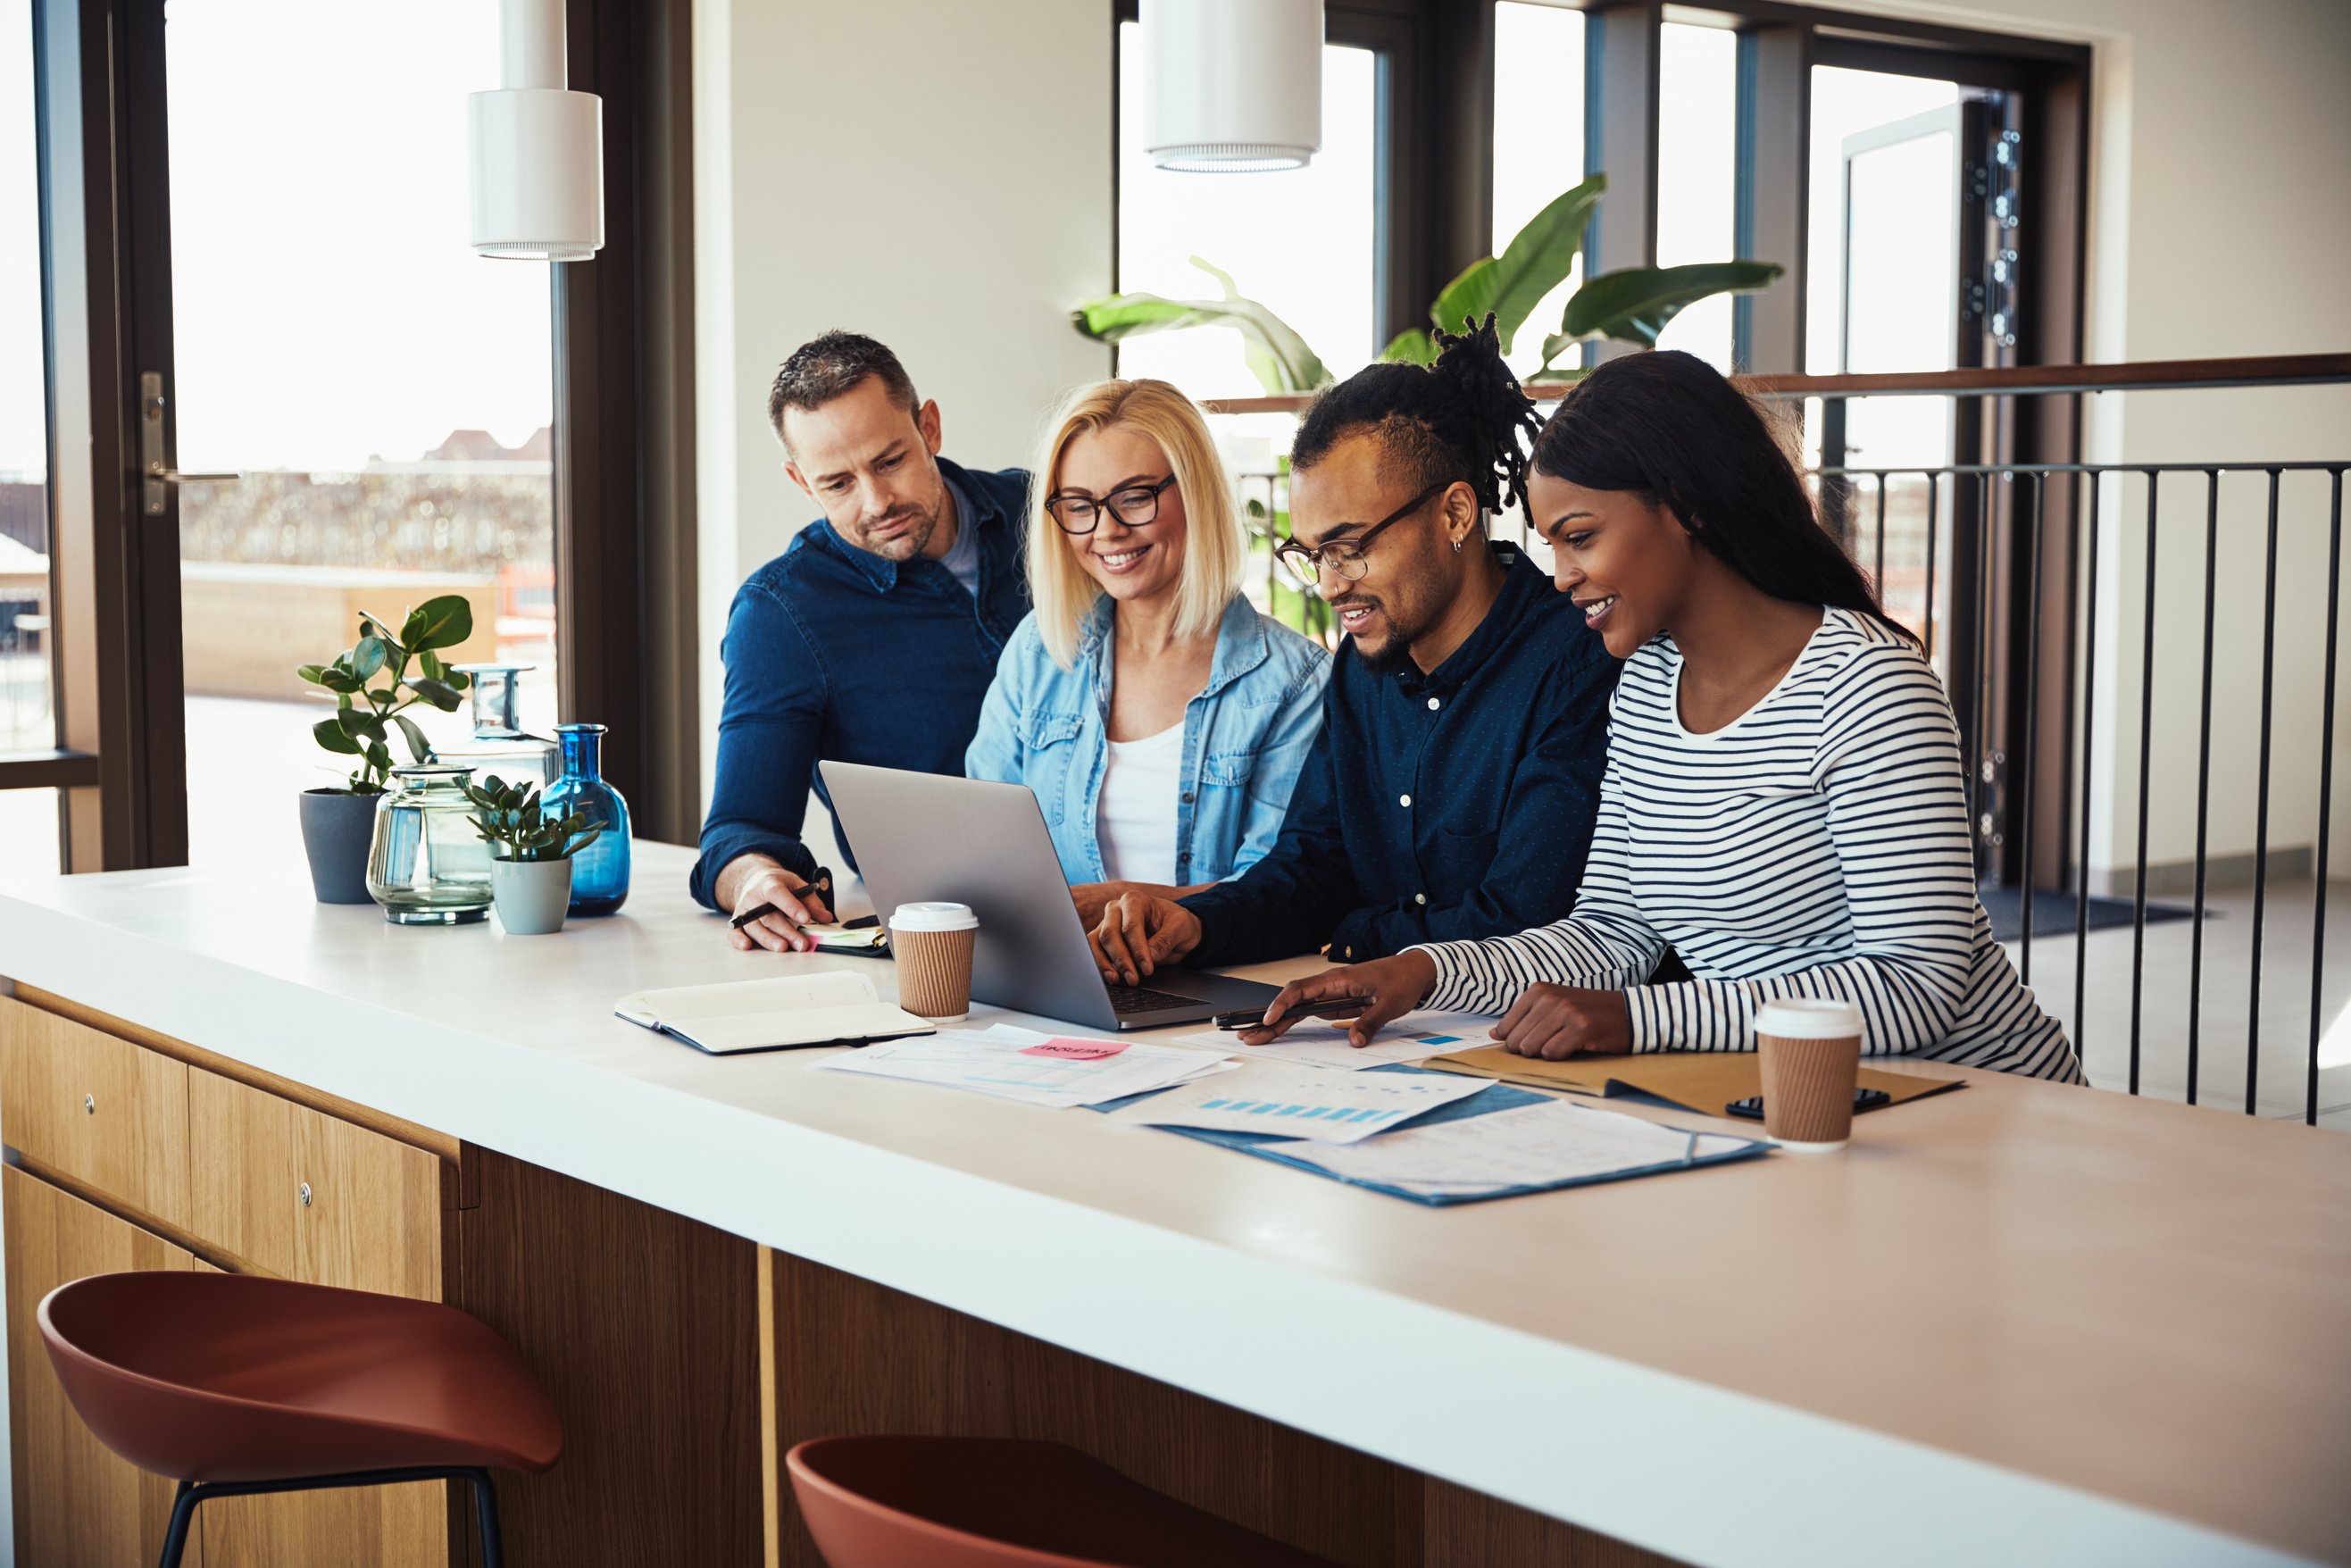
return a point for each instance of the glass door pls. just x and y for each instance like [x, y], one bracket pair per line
[381, 396]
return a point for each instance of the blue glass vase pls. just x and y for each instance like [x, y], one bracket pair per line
[600, 873]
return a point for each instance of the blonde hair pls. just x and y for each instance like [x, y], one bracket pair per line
[1215, 550]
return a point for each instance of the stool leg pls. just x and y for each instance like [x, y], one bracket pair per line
[183, 1513]
[485, 1518]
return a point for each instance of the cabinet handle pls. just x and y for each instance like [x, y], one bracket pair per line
[305, 1195]
[89, 1104]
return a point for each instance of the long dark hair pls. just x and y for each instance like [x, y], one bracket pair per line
[1666, 425]
[1458, 419]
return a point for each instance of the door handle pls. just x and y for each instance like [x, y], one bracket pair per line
[154, 470]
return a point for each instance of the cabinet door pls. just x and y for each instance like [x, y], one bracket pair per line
[78, 1505]
[96, 1109]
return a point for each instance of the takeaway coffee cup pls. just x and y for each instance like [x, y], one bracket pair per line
[932, 944]
[1810, 1054]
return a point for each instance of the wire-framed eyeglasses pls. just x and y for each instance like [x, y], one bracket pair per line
[1134, 505]
[1345, 556]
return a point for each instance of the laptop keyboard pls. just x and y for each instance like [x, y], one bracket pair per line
[1142, 999]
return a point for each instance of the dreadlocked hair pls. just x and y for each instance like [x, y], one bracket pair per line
[1459, 419]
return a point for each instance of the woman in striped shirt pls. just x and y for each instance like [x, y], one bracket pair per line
[1783, 804]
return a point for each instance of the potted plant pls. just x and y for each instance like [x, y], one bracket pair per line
[1631, 304]
[371, 684]
[531, 855]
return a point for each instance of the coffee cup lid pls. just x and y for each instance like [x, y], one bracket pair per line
[933, 917]
[1808, 1017]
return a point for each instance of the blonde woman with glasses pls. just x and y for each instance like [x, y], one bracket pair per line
[1159, 719]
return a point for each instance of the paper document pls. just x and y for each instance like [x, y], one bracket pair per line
[832, 1009]
[1321, 1042]
[1020, 1064]
[1533, 1146]
[1288, 1101]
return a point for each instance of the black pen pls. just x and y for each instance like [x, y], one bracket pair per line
[820, 884]
[1336, 1011]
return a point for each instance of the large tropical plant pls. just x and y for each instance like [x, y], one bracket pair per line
[1631, 304]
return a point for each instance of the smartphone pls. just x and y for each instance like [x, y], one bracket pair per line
[1250, 1017]
[1863, 1100]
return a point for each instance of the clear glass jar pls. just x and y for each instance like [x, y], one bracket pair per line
[500, 744]
[426, 865]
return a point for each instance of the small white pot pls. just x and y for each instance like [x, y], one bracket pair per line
[531, 895]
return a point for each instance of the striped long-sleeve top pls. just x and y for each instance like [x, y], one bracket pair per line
[1816, 846]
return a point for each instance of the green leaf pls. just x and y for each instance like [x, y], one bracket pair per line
[367, 657]
[1278, 356]
[440, 693]
[1536, 261]
[429, 662]
[379, 757]
[336, 678]
[1413, 346]
[314, 673]
[418, 749]
[442, 622]
[1633, 304]
[330, 734]
[358, 723]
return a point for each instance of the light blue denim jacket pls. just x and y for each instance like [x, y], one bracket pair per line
[1246, 736]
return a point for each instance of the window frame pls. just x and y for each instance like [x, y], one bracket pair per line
[623, 425]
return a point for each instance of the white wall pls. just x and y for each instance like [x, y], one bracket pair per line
[2220, 154]
[934, 173]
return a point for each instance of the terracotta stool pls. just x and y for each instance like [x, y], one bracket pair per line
[233, 1384]
[999, 1502]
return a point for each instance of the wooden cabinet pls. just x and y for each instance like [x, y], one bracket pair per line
[135, 1158]
[78, 1505]
[96, 1109]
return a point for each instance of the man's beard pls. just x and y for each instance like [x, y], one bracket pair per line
[1391, 655]
[921, 526]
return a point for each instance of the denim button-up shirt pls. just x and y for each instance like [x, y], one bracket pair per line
[1245, 735]
[835, 651]
[1439, 807]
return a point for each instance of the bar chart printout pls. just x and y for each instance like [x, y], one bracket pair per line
[1298, 1103]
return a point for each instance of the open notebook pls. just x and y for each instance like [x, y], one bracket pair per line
[772, 1015]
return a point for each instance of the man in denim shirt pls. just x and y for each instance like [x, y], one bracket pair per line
[1453, 791]
[915, 568]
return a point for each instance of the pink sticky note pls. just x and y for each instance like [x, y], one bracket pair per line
[1076, 1049]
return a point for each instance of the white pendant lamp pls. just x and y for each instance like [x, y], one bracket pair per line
[1235, 85]
[537, 149]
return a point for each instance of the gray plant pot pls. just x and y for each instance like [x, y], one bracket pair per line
[532, 896]
[336, 828]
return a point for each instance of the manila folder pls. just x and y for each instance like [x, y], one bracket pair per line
[779, 1014]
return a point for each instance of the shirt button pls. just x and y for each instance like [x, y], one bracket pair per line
[1420, 898]
[1433, 704]
[1347, 952]
[1404, 799]
[1187, 796]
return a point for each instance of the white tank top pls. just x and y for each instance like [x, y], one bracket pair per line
[1136, 818]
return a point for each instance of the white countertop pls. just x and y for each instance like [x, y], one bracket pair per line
[2021, 1324]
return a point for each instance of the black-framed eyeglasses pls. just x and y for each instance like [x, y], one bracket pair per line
[1345, 556]
[1134, 505]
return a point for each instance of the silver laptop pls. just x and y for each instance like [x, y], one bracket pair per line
[923, 836]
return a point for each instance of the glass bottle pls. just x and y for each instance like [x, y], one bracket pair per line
[500, 744]
[600, 873]
[426, 865]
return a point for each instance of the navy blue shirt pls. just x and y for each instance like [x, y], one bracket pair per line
[834, 651]
[1440, 807]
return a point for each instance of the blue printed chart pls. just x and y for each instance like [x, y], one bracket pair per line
[1290, 1102]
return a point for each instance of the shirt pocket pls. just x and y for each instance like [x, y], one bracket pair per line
[1231, 770]
[1048, 757]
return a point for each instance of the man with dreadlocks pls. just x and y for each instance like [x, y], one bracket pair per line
[1452, 792]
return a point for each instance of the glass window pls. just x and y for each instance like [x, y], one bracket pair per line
[28, 818]
[1538, 139]
[1302, 242]
[28, 719]
[1697, 159]
[385, 394]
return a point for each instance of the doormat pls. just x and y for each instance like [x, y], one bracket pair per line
[2052, 913]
